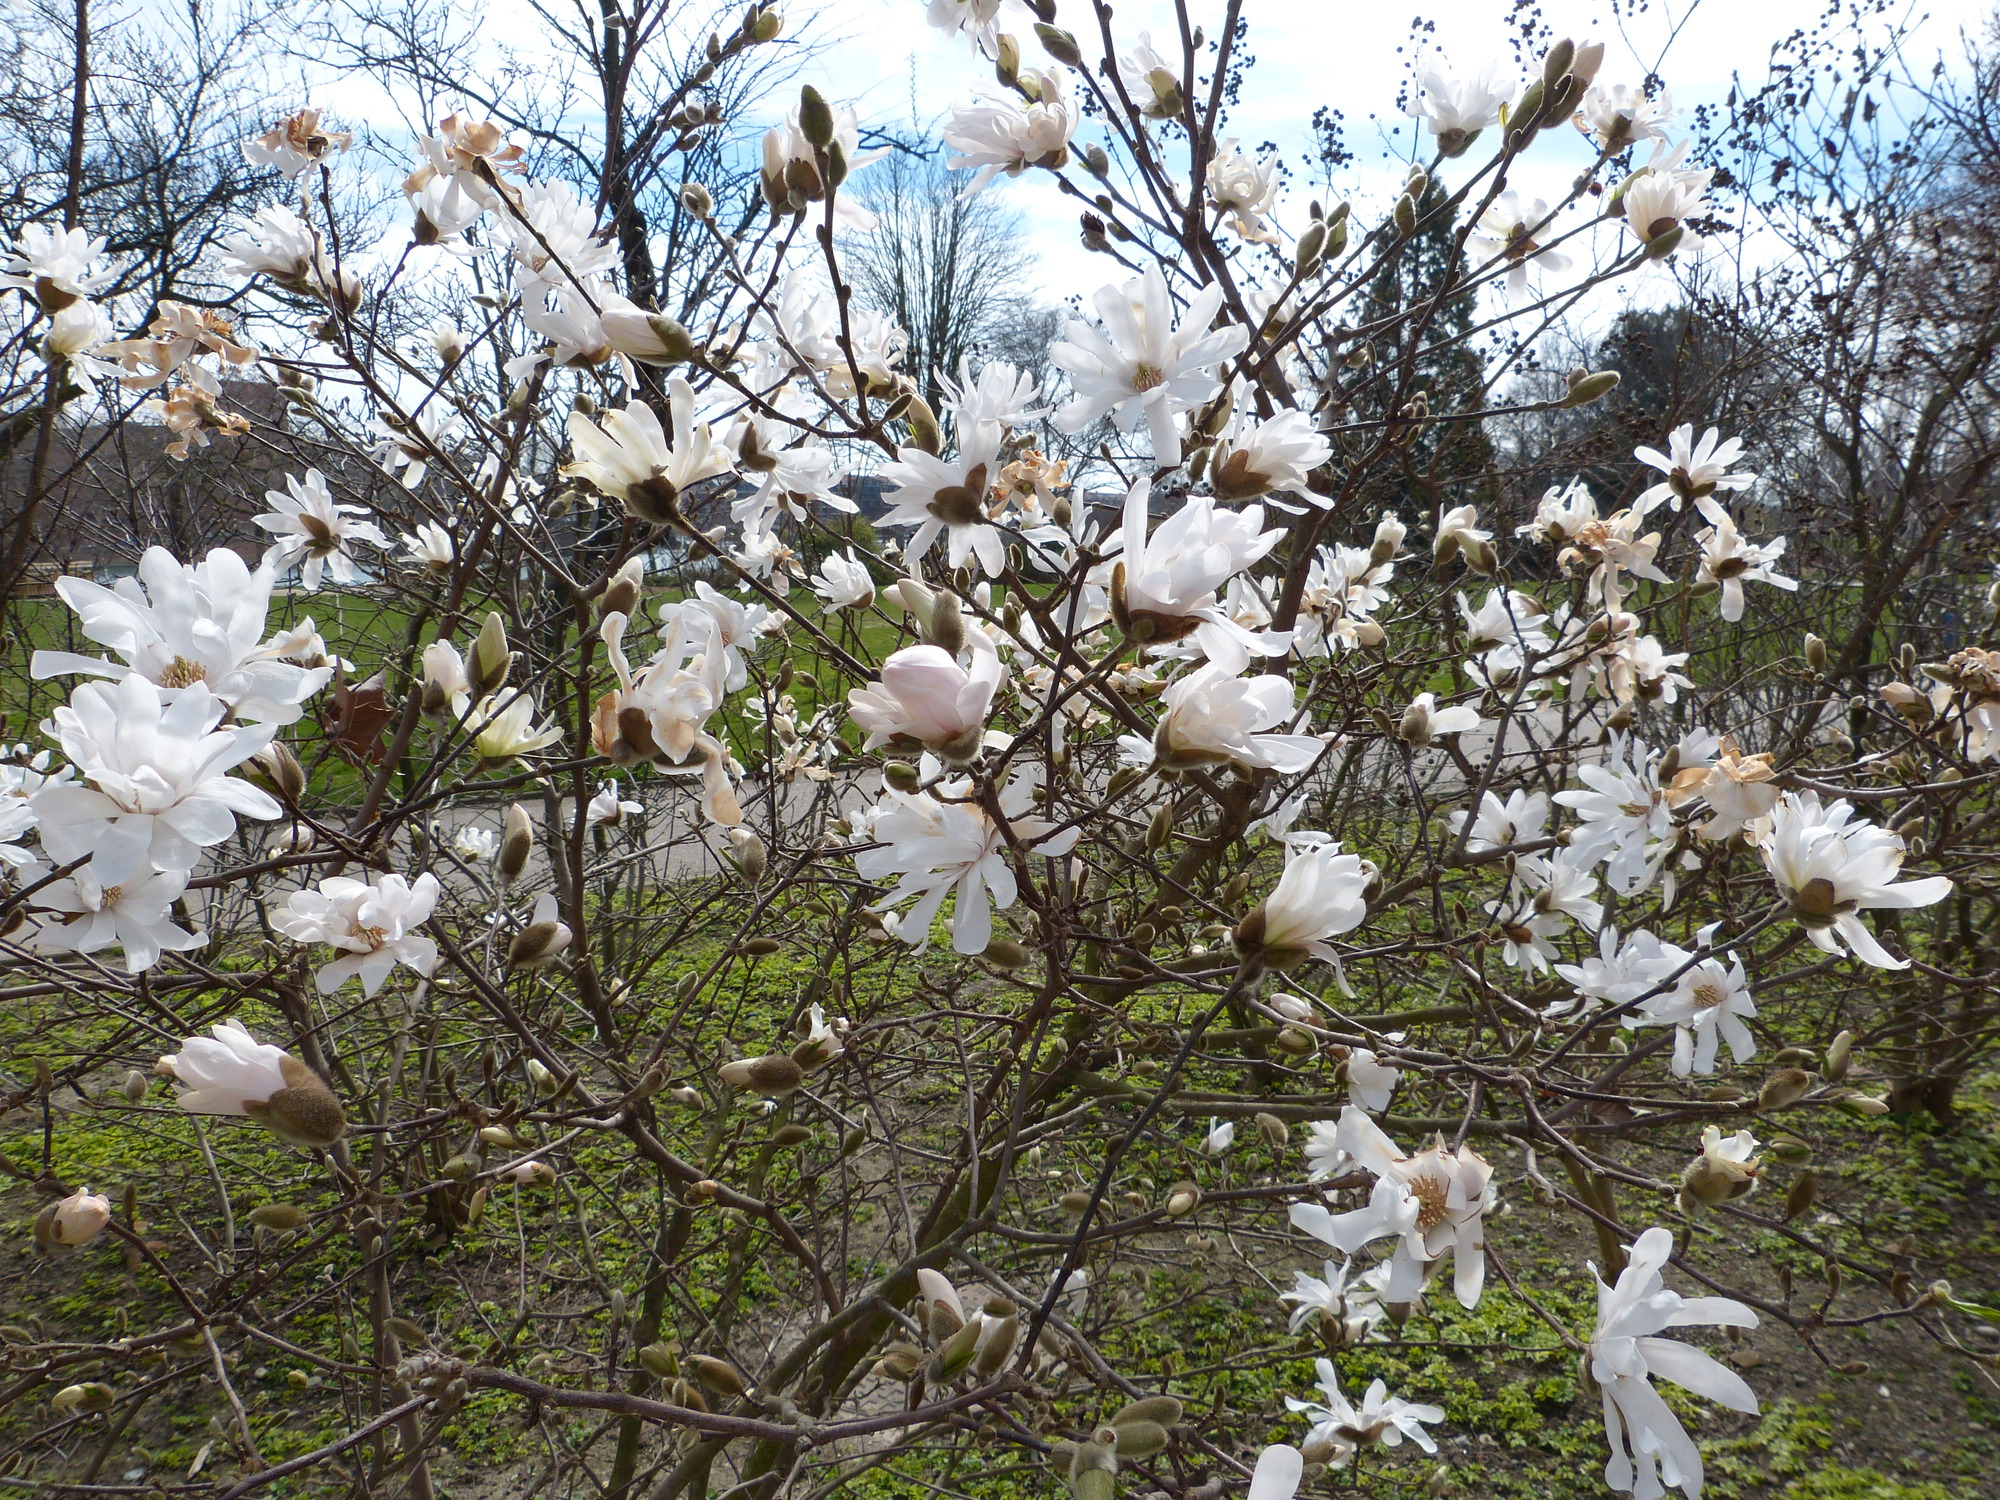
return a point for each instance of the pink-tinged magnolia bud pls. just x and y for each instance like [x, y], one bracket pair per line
[925, 695]
[70, 1222]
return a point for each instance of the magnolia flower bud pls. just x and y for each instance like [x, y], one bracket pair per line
[1785, 1087]
[997, 1340]
[539, 943]
[282, 769]
[1182, 1199]
[770, 1075]
[1389, 535]
[70, 1222]
[516, 844]
[1584, 389]
[1275, 1131]
[621, 594]
[1839, 1056]
[748, 853]
[698, 200]
[280, 1216]
[1815, 652]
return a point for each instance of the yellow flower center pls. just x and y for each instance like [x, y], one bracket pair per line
[1430, 1195]
[182, 673]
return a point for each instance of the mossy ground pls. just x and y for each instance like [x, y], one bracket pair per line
[1198, 1299]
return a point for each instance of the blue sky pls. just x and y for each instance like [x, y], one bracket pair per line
[1353, 57]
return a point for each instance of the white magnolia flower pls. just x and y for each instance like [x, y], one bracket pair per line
[315, 532]
[630, 459]
[1621, 116]
[1622, 970]
[1321, 894]
[948, 496]
[1562, 514]
[1381, 1417]
[660, 713]
[1433, 1203]
[77, 336]
[430, 547]
[1694, 470]
[279, 244]
[1164, 587]
[444, 210]
[555, 239]
[999, 132]
[1278, 454]
[1138, 364]
[1221, 1136]
[1657, 202]
[79, 915]
[1729, 560]
[475, 845]
[1457, 109]
[938, 848]
[1627, 818]
[1647, 1439]
[607, 809]
[1371, 1083]
[409, 443]
[543, 940]
[1506, 616]
[203, 623]
[1708, 1005]
[72, 1222]
[154, 789]
[977, 19]
[1323, 1152]
[1423, 721]
[1353, 1312]
[738, 628]
[844, 583]
[1517, 231]
[1460, 535]
[376, 926]
[1280, 1470]
[925, 695]
[1244, 188]
[1212, 717]
[1726, 1169]
[1832, 867]
[504, 727]
[1502, 825]
[57, 267]
[230, 1072]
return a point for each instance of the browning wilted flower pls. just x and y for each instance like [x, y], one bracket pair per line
[295, 143]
